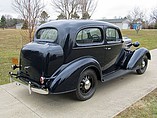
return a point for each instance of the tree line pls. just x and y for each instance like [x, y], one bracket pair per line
[7, 21]
[137, 15]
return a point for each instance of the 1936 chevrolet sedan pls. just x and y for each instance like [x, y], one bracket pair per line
[72, 55]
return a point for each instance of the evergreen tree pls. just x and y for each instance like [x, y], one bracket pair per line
[61, 16]
[86, 15]
[43, 17]
[25, 25]
[75, 16]
[3, 22]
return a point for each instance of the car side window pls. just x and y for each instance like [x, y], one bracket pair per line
[89, 36]
[112, 35]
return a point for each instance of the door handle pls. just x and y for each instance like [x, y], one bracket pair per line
[108, 48]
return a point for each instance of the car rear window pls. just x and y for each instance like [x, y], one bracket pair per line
[47, 34]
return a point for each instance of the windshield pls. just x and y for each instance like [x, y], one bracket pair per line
[47, 34]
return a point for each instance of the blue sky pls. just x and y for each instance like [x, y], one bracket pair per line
[105, 8]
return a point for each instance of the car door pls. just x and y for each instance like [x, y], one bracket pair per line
[113, 46]
[89, 42]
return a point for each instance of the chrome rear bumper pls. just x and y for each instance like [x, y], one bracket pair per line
[27, 86]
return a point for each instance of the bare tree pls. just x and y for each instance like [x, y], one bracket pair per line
[8, 16]
[153, 15]
[136, 15]
[73, 8]
[87, 8]
[66, 7]
[30, 11]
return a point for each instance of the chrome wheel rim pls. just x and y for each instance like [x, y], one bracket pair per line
[143, 63]
[86, 84]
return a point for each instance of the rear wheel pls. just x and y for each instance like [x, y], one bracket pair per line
[143, 65]
[86, 85]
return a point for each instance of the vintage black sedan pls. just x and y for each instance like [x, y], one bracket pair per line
[72, 55]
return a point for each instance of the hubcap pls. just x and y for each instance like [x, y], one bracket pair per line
[85, 84]
[143, 64]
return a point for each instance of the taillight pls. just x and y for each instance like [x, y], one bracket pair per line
[42, 80]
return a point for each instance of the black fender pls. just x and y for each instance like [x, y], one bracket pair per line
[65, 79]
[136, 58]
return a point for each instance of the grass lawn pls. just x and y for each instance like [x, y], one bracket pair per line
[144, 108]
[147, 38]
[10, 45]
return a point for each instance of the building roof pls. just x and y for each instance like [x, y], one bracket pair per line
[114, 20]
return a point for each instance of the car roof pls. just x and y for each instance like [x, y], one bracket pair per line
[75, 23]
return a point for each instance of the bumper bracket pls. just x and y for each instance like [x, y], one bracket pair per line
[27, 86]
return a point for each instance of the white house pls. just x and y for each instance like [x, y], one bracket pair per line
[19, 25]
[121, 23]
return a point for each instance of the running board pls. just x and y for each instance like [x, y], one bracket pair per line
[114, 75]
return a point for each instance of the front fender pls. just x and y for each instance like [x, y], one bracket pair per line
[66, 78]
[136, 58]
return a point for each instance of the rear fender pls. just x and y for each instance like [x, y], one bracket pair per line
[65, 79]
[136, 58]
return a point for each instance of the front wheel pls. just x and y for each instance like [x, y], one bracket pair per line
[143, 65]
[86, 85]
